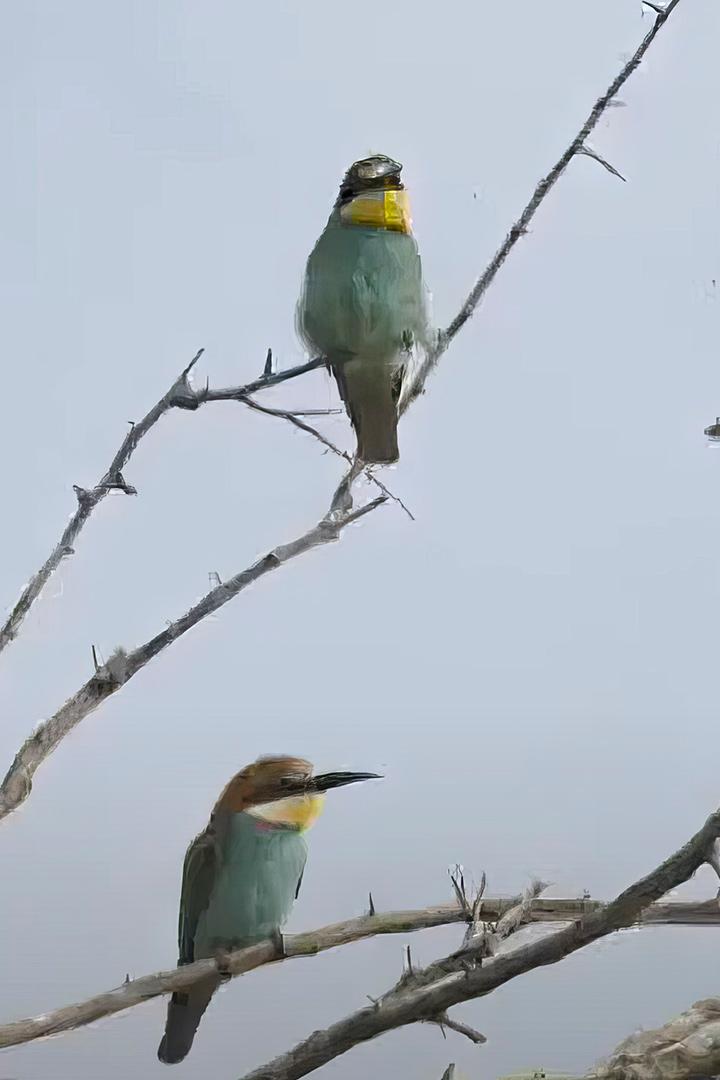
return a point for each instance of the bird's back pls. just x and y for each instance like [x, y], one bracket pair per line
[363, 292]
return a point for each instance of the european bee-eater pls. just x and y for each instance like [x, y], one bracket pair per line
[363, 304]
[242, 874]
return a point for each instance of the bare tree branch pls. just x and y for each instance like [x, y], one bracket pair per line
[294, 418]
[520, 228]
[238, 962]
[447, 982]
[135, 991]
[181, 396]
[121, 666]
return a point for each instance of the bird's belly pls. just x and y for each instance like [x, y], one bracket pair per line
[254, 893]
[352, 320]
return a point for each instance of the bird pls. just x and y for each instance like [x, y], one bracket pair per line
[363, 304]
[242, 874]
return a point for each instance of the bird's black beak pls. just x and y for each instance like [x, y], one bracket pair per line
[329, 780]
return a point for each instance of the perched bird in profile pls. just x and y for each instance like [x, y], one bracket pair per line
[242, 875]
[363, 304]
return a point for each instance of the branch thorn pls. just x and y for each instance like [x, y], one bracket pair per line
[268, 369]
[589, 152]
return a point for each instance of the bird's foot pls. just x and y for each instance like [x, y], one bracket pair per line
[279, 942]
[222, 962]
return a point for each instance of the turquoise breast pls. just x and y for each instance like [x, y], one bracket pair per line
[254, 891]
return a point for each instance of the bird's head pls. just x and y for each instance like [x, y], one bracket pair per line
[370, 174]
[283, 791]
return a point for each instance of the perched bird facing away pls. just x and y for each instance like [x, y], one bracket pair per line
[363, 304]
[242, 875]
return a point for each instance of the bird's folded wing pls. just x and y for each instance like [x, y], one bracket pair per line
[202, 863]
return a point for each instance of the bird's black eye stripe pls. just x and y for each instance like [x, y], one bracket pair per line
[292, 781]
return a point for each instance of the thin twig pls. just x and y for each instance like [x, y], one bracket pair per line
[520, 228]
[294, 418]
[134, 991]
[589, 152]
[470, 1033]
[121, 667]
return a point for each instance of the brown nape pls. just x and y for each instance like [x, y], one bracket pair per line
[355, 185]
[263, 781]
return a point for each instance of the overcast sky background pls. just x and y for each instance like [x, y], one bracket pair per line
[532, 663]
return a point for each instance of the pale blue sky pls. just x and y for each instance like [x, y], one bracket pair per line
[532, 663]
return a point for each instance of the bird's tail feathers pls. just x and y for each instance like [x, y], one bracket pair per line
[370, 389]
[184, 1014]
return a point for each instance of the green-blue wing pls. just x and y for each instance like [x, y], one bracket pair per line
[200, 869]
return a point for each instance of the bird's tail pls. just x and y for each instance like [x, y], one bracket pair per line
[370, 389]
[183, 1017]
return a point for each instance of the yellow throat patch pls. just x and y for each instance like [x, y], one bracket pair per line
[297, 811]
[379, 210]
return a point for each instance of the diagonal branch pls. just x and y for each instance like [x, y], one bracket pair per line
[181, 396]
[135, 991]
[520, 227]
[121, 667]
[453, 979]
